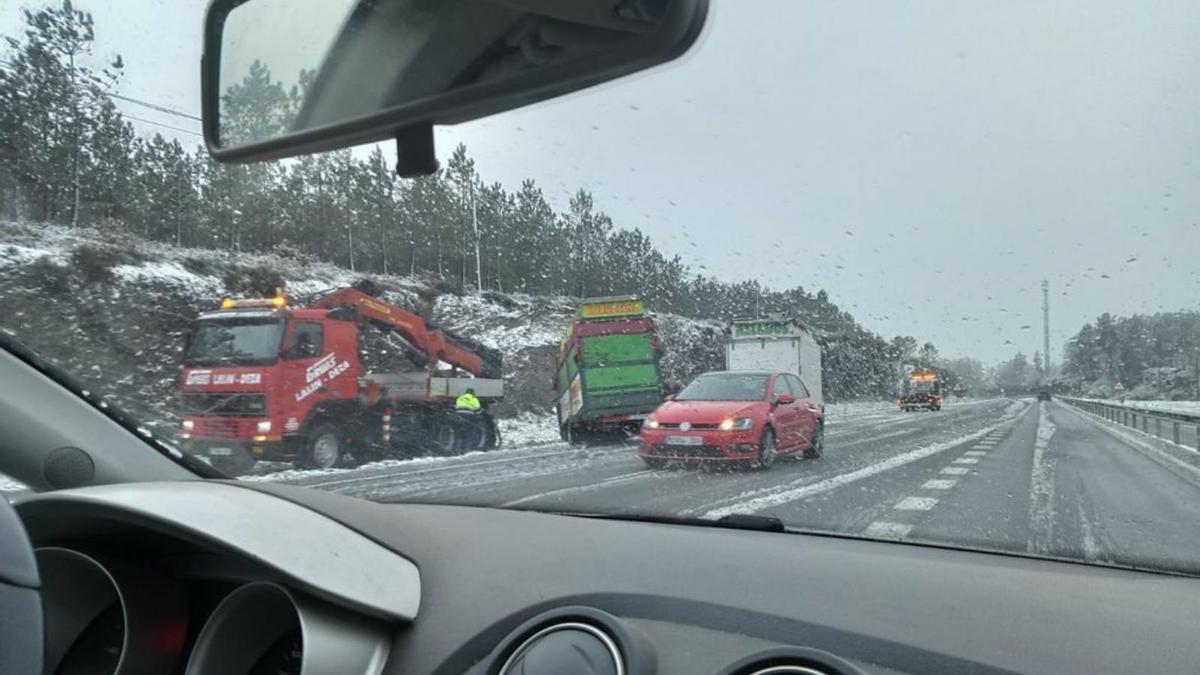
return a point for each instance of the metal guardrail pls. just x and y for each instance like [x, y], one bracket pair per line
[1146, 420]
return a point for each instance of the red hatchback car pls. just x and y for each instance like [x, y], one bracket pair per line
[750, 417]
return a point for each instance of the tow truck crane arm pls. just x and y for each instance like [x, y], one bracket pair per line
[432, 343]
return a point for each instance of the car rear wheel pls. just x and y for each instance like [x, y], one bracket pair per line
[767, 450]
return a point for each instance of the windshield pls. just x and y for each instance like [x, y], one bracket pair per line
[1004, 197]
[234, 342]
[725, 388]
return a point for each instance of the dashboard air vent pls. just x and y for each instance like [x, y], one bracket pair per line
[569, 647]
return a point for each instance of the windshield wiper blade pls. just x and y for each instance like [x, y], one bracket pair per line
[733, 521]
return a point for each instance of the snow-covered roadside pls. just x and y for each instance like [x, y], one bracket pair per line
[519, 434]
[1181, 407]
[529, 429]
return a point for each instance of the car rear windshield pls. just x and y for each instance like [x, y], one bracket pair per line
[725, 388]
[240, 341]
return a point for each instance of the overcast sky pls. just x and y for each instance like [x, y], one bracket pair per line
[928, 163]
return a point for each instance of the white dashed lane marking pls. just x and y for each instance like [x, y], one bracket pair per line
[939, 484]
[967, 460]
[883, 529]
[955, 471]
[975, 453]
[916, 504]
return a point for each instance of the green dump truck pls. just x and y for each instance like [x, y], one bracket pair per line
[607, 379]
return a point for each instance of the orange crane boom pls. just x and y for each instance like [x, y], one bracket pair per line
[433, 342]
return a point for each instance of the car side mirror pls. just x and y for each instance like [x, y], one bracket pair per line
[785, 399]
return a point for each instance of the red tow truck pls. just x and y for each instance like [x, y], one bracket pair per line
[342, 373]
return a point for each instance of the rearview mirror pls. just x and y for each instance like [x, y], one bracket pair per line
[289, 77]
[785, 399]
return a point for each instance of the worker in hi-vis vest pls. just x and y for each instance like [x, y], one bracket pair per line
[467, 401]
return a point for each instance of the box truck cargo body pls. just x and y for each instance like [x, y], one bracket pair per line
[775, 344]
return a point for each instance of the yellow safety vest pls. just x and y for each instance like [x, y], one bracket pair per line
[467, 402]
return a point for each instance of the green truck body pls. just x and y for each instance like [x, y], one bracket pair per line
[608, 376]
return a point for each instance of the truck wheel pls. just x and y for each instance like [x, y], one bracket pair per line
[572, 435]
[445, 437]
[817, 442]
[766, 449]
[324, 449]
[236, 464]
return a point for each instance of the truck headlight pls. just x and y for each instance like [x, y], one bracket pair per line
[264, 427]
[736, 424]
[188, 425]
[650, 423]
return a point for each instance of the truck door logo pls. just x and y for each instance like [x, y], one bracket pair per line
[321, 373]
[319, 368]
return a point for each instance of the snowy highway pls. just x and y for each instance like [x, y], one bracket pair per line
[1019, 475]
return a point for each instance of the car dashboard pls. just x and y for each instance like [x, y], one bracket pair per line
[227, 577]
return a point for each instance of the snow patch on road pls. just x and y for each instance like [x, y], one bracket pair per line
[519, 434]
[1041, 488]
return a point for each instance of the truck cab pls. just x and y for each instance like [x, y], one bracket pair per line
[256, 379]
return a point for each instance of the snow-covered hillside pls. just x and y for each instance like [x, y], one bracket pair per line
[114, 310]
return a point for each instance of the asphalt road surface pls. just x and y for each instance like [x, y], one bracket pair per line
[1021, 476]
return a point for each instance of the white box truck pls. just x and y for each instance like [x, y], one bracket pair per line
[775, 343]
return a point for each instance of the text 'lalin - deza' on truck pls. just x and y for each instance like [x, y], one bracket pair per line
[342, 374]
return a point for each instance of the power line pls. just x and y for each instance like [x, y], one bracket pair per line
[154, 106]
[160, 124]
[135, 101]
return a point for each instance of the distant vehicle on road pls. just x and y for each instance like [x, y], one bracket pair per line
[921, 389]
[1043, 395]
[743, 417]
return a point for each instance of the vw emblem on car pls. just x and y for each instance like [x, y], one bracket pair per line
[685, 426]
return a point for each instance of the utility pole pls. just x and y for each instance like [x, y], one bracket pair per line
[475, 225]
[1046, 328]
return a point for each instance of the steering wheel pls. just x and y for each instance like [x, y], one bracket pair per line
[20, 602]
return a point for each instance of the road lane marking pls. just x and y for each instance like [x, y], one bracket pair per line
[955, 471]
[975, 453]
[1041, 488]
[797, 490]
[939, 483]
[885, 529]
[916, 504]
[967, 460]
